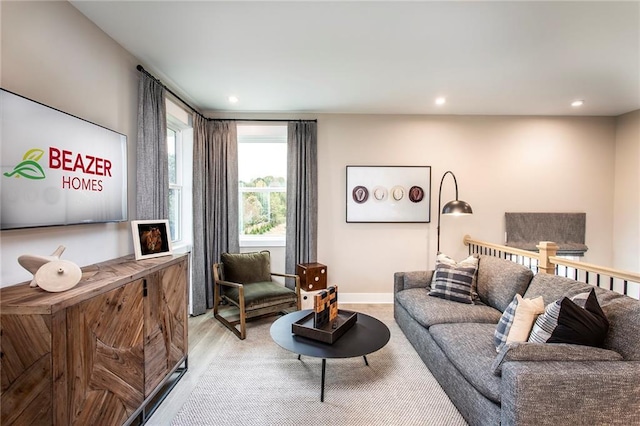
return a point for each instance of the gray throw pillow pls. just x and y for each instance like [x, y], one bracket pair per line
[247, 268]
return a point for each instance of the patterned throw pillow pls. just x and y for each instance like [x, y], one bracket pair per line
[504, 325]
[453, 281]
[547, 322]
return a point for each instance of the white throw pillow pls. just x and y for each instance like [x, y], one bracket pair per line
[526, 313]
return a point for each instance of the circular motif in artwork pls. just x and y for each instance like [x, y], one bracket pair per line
[380, 193]
[360, 194]
[398, 192]
[416, 194]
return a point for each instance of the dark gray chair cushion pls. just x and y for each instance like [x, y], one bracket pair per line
[499, 280]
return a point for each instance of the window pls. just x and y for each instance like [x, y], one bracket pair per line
[180, 156]
[174, 149]
[262, 186]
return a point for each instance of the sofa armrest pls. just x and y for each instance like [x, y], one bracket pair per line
[414, 279]
[525, 351]
[574, 392]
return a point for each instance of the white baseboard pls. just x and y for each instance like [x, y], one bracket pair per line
[365, 297]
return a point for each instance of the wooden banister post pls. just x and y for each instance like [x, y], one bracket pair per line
[547, 249]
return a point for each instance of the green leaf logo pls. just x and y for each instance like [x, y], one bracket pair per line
[29, 167]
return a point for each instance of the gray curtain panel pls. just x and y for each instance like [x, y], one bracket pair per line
[215, 203]
[152, 182]
[302, 194]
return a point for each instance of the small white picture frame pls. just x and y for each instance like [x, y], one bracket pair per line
[151, 238]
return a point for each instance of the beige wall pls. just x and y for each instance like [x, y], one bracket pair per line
[626, 225]
[502, 164]
[51, 53]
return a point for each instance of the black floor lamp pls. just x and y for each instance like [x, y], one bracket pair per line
[455, 207]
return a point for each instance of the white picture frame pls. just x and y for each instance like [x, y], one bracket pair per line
[394, 194]
[151, 238]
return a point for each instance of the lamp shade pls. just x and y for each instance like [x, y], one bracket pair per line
[454, 208]
[457, 208]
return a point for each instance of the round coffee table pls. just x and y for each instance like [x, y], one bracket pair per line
[366, 336]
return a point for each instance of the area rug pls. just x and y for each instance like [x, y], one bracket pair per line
[255, 382]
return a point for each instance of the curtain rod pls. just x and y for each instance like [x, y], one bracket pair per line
[280, 120]
[142, 70]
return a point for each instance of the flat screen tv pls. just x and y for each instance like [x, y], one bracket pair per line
[58, 169]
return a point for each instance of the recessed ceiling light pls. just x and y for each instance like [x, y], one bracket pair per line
[441, 100]
[577, 103]
[233, 99]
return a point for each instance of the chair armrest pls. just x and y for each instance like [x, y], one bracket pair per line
[414, 279]
[297, 278]
[229, 284]
[573, 392]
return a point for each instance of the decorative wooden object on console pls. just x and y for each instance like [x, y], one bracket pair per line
[313, 276]
[98, 353]
[325, 307]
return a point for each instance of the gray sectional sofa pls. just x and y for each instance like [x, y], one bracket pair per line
[526, 383]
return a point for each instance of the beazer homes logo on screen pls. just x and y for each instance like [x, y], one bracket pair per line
[68, 161]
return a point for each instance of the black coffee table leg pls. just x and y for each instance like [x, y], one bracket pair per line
[324, 367]
[365, 360]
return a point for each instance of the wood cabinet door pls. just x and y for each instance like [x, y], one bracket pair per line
[106, 356]
[165, 313]
[25, 370]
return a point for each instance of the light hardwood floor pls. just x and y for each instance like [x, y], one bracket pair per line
[206, 338]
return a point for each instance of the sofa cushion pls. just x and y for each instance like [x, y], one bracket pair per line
[470, 349]
[524, 351]
[432, 310]
[581, 326]
[504, 325]
[454, 281]
[499, 280]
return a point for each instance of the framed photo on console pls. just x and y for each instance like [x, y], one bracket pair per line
[151, 238]
[393, 194]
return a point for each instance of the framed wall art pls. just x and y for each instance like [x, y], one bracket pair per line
[151, 238]
[388, 194]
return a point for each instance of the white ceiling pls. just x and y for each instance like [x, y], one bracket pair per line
[386, 57]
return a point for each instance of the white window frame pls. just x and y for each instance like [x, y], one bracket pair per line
[180, 124]
[259, 240]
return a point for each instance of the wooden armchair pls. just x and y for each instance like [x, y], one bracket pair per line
[245, 281]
